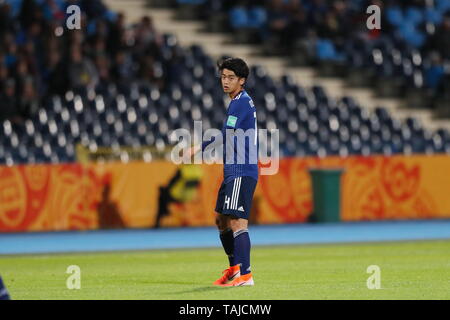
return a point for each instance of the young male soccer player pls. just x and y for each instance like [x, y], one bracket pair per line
[240, 174]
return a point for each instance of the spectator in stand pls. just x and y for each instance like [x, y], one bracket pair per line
[11, 50]
[37, 60]
[440, 41]
[94, 9]
[116, 40]
[435, 72]
[6, 21]
[81, 71]
[30, 13]
[8, 110]
[123, 69]
[28, 102]
[54, 74]
[175, 65]
[147, 40]
[317, 10]
[52, 11]
[102, 65]
[97, 47]
[278, 22]
[148, 71]
[298, 26]
[22, 75]
[4, 74]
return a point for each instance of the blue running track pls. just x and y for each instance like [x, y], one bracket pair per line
[140, 239]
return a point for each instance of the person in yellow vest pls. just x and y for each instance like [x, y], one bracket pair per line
[181, 188]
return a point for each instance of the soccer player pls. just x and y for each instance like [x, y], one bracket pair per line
[4, 295]
[235, 195]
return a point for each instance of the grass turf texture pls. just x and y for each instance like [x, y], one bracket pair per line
[409, 270]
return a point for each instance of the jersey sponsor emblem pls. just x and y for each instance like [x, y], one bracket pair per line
[232, 121]
[241, 208]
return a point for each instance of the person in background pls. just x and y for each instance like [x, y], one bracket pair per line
[278, 22]
[28, 101]
[82, 72]
[109, 216]
[53, 74]
[4, 74]
[8, 110]
[181, 188]
[440, 41]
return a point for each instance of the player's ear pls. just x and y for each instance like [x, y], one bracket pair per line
[242, 81]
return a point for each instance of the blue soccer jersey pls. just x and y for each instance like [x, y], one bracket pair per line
[240, 139]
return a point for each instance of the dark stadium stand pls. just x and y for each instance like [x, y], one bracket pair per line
[114, 95]
[411, 51]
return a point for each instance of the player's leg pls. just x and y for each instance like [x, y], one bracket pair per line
[242, 246]
[239, 212]
[223, 224]
[226, 238]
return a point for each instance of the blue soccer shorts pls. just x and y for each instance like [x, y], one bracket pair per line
[235, 197]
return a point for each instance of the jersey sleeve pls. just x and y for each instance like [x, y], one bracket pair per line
[207, 143]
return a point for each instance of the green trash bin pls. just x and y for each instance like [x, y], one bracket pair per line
[326, 187]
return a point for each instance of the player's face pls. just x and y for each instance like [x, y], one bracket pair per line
[230, 81]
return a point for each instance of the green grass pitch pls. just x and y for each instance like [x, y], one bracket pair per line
[409, 270]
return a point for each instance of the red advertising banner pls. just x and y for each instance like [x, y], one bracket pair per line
[81, 197]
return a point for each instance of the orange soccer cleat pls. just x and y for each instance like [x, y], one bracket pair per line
[229, 275]
[244, 280]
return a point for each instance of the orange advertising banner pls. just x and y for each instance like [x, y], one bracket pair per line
[117, 195]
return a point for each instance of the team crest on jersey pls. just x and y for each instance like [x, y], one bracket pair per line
[251, 103]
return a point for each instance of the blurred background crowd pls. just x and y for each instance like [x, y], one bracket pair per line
[40, 58]
[113, 83]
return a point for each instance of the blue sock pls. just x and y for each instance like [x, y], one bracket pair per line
[242, 250]
[228, 245]
[3, 292]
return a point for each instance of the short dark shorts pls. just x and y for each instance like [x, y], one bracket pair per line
[235, 198]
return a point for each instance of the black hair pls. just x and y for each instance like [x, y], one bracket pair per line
[237, 65]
